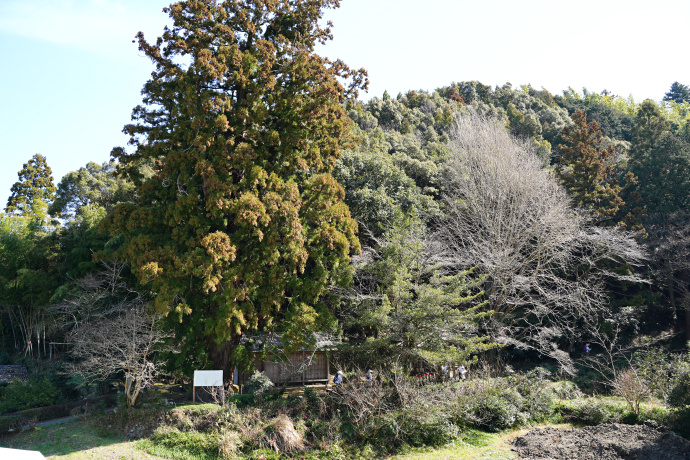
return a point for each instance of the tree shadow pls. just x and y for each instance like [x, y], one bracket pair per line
[62, 438]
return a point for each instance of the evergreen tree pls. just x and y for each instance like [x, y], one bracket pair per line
[34, 191]
[410, 308]
[92, 187]
[648, 127]
[678, 93]
[587, 170]
[661, 160]
[242, 227]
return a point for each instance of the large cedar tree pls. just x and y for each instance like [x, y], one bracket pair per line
[242, 228]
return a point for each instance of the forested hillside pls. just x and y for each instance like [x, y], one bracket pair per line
[537, 212]
[264, 216]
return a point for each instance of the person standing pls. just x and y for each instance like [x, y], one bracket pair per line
[463, 372]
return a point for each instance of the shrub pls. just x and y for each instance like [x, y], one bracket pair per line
[10, 423]
[26, 395]
[660, 369]
[203, 445]
[679, 395]
[565, 389]
[258, 383]
[539, 374]
[537, 398]
[496, 410]
[241, 401]
[591, 411]
[436, 433]
[203, 418]
[498, 404]
[680, 422]
[324, 433]
[229, 442]
[631, 388]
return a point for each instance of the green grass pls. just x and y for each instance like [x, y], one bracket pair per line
[169, 452]
[77, 440]
[80, 440]
[474, 445]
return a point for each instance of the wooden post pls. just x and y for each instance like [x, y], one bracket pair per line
[193, 393]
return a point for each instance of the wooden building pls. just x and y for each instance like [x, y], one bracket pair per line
[298, 368]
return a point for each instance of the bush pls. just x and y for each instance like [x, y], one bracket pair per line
[496, 410]
[565, 389]
[241, 401]
[632, 388]
[258, 383]
[661, 370]
[133, 422]
[656, 416]
[10, 423]
[679, 395]
[26, 395]
[498, 404]
[203, 445]
[203, 418]
[591, 411]
[680, 422]
[435, 433]
[540, 374]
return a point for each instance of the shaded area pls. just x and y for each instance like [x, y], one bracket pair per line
[61, 439]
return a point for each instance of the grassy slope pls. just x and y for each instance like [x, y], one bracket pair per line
[80, 441]
[77, 440]
[476, 446]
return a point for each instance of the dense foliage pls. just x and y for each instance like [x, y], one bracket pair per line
[242, 227]
[488, 219]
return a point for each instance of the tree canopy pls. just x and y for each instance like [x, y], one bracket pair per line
[678, 93]
[34, 191]
[242, 225]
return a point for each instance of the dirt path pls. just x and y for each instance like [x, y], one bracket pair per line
[603, 442]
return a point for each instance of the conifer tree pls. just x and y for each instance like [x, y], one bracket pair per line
[587, 170]
[678, 93]
[34, 191]
[242, 227]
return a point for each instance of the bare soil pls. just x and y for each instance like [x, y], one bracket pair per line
[603, 442]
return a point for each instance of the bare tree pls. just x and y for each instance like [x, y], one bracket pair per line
[111, 330]
[510, 218]
[95, 296]
[125, 343]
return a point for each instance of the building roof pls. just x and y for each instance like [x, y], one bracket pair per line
[262, 341]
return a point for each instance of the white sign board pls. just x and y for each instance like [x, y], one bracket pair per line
[208, 378]
[15, 454]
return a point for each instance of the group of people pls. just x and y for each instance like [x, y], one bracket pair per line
[338, 379]
[449, 373]
[459, 373]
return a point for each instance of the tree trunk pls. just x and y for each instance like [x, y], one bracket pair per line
[687, 322]
[220, 357]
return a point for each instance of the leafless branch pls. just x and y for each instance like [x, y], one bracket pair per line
[510, 218]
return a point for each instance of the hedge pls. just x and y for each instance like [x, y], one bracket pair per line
[17, 420]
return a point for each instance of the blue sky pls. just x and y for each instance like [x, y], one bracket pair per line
[70, 74]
